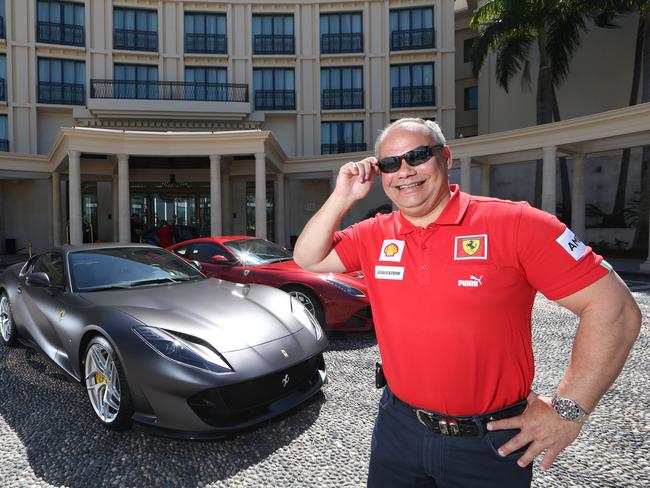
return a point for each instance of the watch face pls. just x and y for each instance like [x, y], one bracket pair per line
[567, 409]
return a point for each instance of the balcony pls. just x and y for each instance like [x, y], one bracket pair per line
[341, 43]
[3, 90]
[58, 33]
[273, 44]
[2, 28]
[4, 145]
[342, 99]
[175, 99]
[61, 93]
[275, 100]
[401, 40]
[135, 40]
[205, 43]
[342, 147]
[412, 96]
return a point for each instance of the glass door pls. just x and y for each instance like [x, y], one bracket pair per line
[270, 210]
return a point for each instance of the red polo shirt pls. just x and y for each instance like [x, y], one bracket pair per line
[452, 302]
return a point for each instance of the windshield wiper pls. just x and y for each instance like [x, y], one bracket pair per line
[153, 281]
[103, 288]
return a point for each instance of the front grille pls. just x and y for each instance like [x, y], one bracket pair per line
[221, 406]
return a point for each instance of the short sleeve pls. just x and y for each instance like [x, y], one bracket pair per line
[346, 246]
[555, 261]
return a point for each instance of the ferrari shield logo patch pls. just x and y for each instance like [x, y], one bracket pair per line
[471, 247]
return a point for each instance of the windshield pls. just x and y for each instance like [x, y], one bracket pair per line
[253, 252]
[127, 267]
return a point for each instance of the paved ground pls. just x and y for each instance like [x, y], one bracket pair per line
[48, 436]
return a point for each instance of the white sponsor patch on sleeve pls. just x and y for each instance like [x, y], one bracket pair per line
[571, 244]
[389, 272]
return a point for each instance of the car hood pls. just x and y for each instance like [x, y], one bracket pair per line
[229, 316]
[354, 278]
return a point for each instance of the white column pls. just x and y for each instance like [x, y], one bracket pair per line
[333, 176]
[56, 209]
[116, 210]
[226, 204]
[260, 195]
[578, 196]
[485, 180]
[74, 197]
[645, 266]
[466, 174]
[124, 222]
[279, 210]
[215, 195]
[549, 198]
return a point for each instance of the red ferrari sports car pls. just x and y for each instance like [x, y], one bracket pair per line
[338, 300]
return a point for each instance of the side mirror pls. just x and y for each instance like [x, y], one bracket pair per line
[38, 279]
[219, 259]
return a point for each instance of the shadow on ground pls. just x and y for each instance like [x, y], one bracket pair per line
[65, 444]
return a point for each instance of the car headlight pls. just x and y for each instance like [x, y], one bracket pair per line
[183, 350]
[350, 290]
[305, 317]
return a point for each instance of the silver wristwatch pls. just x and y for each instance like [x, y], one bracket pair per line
[569, 409]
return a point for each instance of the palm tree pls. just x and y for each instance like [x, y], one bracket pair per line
[611, 8]
[512, 28]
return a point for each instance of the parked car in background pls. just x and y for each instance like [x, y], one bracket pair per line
[338, 300]
[154, 341]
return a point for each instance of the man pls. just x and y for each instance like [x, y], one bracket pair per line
[452, 279]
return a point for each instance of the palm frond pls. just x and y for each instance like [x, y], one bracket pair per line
[512, 55]
[563, 38]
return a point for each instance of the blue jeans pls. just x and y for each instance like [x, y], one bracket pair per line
[405, 453]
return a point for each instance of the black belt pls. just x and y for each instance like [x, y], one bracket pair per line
[463, 426]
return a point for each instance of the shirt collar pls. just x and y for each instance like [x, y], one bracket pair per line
[452, 214]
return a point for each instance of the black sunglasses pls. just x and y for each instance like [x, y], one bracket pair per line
[414, 157]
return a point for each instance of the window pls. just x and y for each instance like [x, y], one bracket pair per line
[342, 137]
[51, 264]
[206, 84]
[274, 89]
[341, 88]
[273, 34]
[467, 49]
[205, 33]
[60, 22]
[411, 29]
[61, 81]
[203, 252]
[2, 19]
[136, 30]
[471, 98]
[137, 81]
[3, 77]
[341, 33]
[4, 134]
[412, 85]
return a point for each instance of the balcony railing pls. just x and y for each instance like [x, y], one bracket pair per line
[135, 40]
[3, 89]
[58, 33]
[205, 43]
[342, 99]
[412, 96]
[341, 43]
[273, 44]
[2, 28]
[169, 90]
[61, 93]
[275, 100]
[4, 145]
[411, 39]
[342, 147]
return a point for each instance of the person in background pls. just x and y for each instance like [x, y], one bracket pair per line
[452, 279]
[165, 234]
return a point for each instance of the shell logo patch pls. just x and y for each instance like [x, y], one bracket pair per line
[391, 250]
[471, 247]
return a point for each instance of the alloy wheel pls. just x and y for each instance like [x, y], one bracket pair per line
[6, 321]
[102, 383]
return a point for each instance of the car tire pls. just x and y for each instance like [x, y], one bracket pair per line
[309, 300]
[106, 385]
[7, 325]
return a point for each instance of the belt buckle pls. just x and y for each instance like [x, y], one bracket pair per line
[446, 426]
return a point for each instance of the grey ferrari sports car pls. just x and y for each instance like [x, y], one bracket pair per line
[155, 341]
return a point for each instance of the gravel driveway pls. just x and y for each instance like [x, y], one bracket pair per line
[48, 436]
